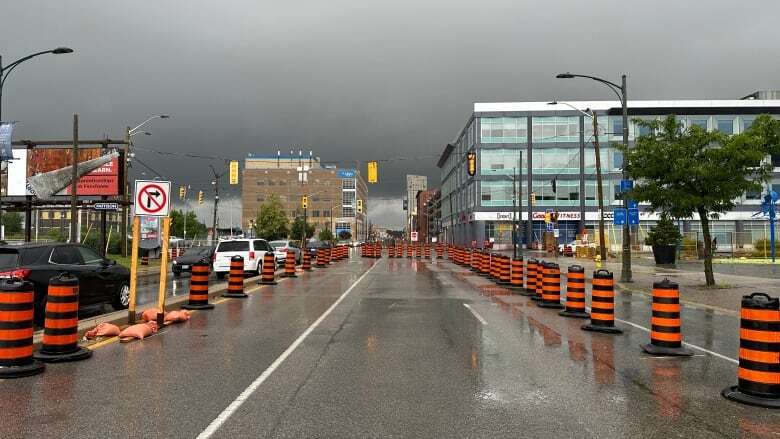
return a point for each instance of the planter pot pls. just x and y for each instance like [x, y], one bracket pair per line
[664, 254]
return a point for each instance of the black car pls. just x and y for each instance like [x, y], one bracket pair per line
[101, 281]
[183, 263]
[314, 246]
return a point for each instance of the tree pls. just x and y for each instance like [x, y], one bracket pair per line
[194, 227]
[345, 235]
[12, 222]
[271, 222]
[665, 232]
[296, 231]
[686, 171]
[325, 235]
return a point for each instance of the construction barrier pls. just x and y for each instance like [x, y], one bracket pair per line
[306, 266]
[539, 284]
[289, 265]
[236, 278]
[492, 267]
[408, 250]
[665, 323]
[516, 275]
[61, 324]
[475, 261]
[575, 293]
[319, 261]
[484, 264]
[530, 277]
[268, 272]
[602, 306]
[551, 286]
[758, 375]
[17, 298]
[504, 270]
[145, 259]
[328, 252]
[427, 252]
[199, 285]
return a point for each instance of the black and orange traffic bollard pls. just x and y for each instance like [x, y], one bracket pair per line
[17, 298]
[409, 250]
[539, 284]
[665, 323]
[551, 286]
[268, 272]
[484, 264]
[758, 375]
[427, 252]
[199, 286]
[61, 324]
[602, 304]
[504, 271]
[474, 262]
[145, 258]
[306, 266]
[289, 265]
[530, 277]
[236, 278]
[516, 275]
[575, 293]
[319, 260]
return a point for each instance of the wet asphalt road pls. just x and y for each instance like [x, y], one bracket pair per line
[400, 356]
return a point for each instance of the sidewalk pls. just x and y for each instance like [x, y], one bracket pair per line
[726, 298]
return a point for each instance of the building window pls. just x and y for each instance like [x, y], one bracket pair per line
[490, 229]
[553, 129]
[617, 160]
[504, 130]
[260, 183]
[315, 213]
[699, 122]
[499, 193]
[348, 212]
[499, 161]
[726, 126]
[348, 198]
[348, 183]
[747, 122]
[753, 195]
[556, 161]
[616, 127]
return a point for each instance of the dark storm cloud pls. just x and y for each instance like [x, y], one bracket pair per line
[357, 80]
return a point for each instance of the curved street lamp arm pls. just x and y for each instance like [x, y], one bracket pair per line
[144, 123]
[618, 90]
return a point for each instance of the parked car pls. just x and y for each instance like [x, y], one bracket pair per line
[183, 263]
[252, 250]
[101, 281]
[281, 248]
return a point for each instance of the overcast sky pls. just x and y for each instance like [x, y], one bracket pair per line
[359, 79]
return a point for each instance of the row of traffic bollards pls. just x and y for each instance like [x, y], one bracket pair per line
[759, 341]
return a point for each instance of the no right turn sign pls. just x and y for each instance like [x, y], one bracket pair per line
[152, 197]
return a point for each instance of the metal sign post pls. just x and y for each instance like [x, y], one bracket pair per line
[134, 269]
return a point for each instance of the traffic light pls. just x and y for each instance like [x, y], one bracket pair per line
[373, 172]
[533, 198]
[234, 172]
[547, 217]
[472, 163]
[304, 202]
[182, 192]
[200, 197]
[360, 206]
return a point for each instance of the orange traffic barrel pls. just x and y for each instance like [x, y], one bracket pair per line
[199, 286]
[17, 298]
[758, 375]
[484, 264]
[61, 323]
[551, 286]
[408, 250]
[538, 283]
[391, 252]
[474, 262]
[145, 259]
[236, 278]
[306, 266]
[504, 271]
[516, 275]
[530, 277]
[427, 252]
[665, 323]
[289, 265]
[268, 272]
[492, 266]
[319, 260]
[602, 304]
[575, 293]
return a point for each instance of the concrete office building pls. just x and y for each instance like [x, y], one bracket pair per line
[555, 142]
[333, 192]
[414, 184]
[422, 224]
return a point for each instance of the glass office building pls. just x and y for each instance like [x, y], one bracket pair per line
[535, 143]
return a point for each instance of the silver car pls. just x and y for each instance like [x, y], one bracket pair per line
[282, 247]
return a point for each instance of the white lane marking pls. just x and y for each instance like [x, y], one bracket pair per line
[216, 423]
[476, 314]
[693, 346]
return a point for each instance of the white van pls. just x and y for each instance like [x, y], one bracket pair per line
[252, 250]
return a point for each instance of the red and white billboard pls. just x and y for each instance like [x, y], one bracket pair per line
[51, 168]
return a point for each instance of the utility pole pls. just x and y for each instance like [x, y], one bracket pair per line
[74, 211]
[125, 190]
[215, 221]
[625, 275]
[600, 187]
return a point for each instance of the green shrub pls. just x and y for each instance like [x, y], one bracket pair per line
[665, 232]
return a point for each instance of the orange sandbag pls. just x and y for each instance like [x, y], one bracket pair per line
[139, 331]
[149, 315]
[103, 330]
[177, 316]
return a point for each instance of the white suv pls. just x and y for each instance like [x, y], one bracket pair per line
[252, 250]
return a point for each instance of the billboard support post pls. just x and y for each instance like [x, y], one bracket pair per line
[74, 198]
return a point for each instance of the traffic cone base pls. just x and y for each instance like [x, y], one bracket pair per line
[661, 350]
[198, 306]
[575, 314]
[552, 305]
[26, 370]
[77, 355]
[733, 393]
[236, 295]
[604, 329]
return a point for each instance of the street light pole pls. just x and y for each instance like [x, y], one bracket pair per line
[6, 70]
[622, 93]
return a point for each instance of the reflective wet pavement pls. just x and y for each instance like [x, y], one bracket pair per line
[400, 356]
